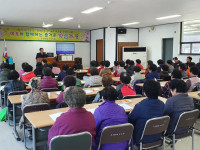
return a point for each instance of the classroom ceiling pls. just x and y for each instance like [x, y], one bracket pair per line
[33, 13]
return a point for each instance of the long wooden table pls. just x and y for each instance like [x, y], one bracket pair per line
[42, 119]
[194, 94]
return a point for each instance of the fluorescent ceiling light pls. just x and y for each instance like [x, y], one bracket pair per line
[47, 25]
[132, 23]
[93, 9]
[66, 19]
[168, 17]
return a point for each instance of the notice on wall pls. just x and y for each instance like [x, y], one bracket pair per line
[39, 34]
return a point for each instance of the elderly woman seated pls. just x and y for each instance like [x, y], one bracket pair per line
[77, 119]
[94, 79]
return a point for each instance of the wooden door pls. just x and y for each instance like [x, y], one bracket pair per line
[120, 45]
[99, 50]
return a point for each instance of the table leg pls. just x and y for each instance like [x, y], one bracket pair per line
[34, 138]
[14, 123]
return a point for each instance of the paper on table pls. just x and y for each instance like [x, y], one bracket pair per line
[96, 89]
[88, 91]
[91, 110]
[22, 97]
[55, 116]
[82, 82]
[125, 106]
[58, 93]
[60, 83]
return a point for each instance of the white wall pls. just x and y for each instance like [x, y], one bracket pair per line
[130, 36]
[152, 39]
[95, 35]
[25, 51]
[110, 45]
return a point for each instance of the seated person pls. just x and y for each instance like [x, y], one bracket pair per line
[130, 68]
[50, 66]
[62, 74]
[55, 69]
[127, 62]
[78, 65]
[182, 68]
[179, 102]
[69, 81]
[107, 114]
[166, 92]
[120, 69]
[38, 70]
[5, 67]
[93, 64]
[94, 79]
[106, 70]
[35, 96]
[14, 83]
[48, 81]
[125, 88]
[22, 71]
[176, 63]
[149, 63]
[138, 63]
[116, 66]
[148, 108]
[28, 74]
[77, 119]
[188, 61]
[44, 62]
[193, 80]
[106, 81]
[72, 73]
[164, 73]
[189, 66]
[170, 65]
[152, 73]
[160, 62]
[101, 65]
[137, 75]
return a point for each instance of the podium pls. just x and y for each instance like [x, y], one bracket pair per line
[49, 60]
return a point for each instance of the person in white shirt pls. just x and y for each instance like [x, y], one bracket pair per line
[137, 75]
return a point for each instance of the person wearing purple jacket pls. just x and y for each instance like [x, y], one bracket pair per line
[77, 119]
[48, 81]
[108, 114]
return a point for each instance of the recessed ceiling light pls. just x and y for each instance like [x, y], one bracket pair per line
[47, 25]
[93, 9]
[66, 19]
[168, 17]
[132, 23]
[2, 22]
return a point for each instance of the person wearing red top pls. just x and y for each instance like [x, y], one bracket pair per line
[149, 63]
[77, 119]
[101, 66]
[138, 61]
[28, 73]
[93, 64]
[189, 66]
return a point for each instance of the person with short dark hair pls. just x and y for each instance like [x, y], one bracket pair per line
[176, 63]
[170, 65]
[22, 70]
[55, 69]
[149, 63]
[72, 73]
[102, 63]
[106, 70]
[182, 68]
[77, 119]
[106, 81]
[189, 66]
[148, 108]
[160, 62]
[138, 63]
[116, 66]
[93, 64]
[179, 102]
[5, 67]
[130, 68]
[127, 63]
[28, 69]
[48, 81]
[77, 65]
[69, 81]
[94, 79]
[152, 73]
[125, 88]
[44, 61]
[120, 69]
[62, 74]
[176, 74]
[194, 79]
[41, 54]
[137, 75]
[164, 73]
[188, 61]
[38, 70]
[107, 114]
[14, 83]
